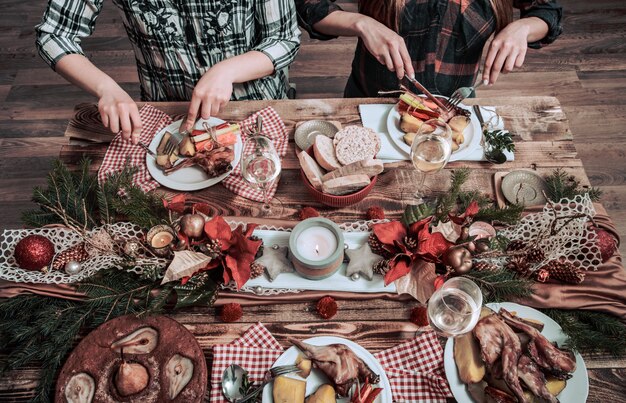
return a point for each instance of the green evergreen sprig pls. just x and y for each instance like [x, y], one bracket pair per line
[501, 285]
[499, 140]
[562, 185]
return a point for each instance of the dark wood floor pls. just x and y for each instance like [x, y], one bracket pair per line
[585, 70]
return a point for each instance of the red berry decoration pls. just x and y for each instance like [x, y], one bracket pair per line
[375, 213]
[327, 307]
[606, 242]
[34, 252]
[307, 212]
[231, 312]
[419, 316]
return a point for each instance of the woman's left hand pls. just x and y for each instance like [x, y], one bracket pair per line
[507, 51]
[212, 93]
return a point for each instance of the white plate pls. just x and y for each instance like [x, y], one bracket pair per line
[577, 387]
[317, 378]
[191, 178]
[472, 134]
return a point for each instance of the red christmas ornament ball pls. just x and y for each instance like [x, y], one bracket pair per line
[606, 242]
[34, 252]
[327, 307]
[307, 212]
[419, 316]
[375, 213]
[231, 312]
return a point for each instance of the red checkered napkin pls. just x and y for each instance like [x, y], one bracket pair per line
[274, 128]
[415, 370]
[255, 352]
[120, 151]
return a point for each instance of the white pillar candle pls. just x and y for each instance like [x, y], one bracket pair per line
[316, 243]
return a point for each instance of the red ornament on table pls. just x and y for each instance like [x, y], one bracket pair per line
[419, 316]
[34, 252]
[375, 213]
[606, 242]
[543, 275]
[327, 307]
[307, 212]
[231, 312]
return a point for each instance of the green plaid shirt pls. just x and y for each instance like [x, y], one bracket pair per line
[444, 38]
[177, 41]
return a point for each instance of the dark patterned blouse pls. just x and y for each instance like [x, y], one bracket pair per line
[445, 39]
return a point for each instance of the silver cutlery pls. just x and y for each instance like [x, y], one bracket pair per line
[147, 150]
[233, 376]
[493, 157]
[423, 89]
[460, 94]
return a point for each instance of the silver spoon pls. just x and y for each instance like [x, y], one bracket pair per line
[233, 381]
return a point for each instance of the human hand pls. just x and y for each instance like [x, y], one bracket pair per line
[118, 112]
[212, 93]
[507, 51]
[386, 46]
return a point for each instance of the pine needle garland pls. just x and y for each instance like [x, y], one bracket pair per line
[501, 285]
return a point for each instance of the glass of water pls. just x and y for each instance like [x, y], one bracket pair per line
[430, 151]
[260, 167]
[454, 309]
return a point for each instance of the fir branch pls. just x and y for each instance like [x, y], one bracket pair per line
[562, 185]
[591, 331]
[510, 214]
[446, 203]
[501, 285]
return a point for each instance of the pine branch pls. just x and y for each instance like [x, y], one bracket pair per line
[510, 214]
[501, 285]
[591, 331]
[446, 203]
[562, 185]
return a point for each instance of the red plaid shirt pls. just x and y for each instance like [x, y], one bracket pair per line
[444, 38]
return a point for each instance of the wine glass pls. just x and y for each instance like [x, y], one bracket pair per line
[260, 167]
[454, 309]
[431, 150]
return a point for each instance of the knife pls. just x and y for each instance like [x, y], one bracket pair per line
[479, 115]
[423, 89]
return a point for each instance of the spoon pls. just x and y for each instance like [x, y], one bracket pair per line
[233, 381]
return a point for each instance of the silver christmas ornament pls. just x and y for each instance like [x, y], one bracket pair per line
[355, 276]
[73, 267]
[345, 246]
[258, 289]
[131, 248]
[275, 247]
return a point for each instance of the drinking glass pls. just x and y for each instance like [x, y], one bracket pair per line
[454, 309]
[431, 150]
[260, 167]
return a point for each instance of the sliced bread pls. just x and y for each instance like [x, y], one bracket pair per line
[355, 143]
[345, 184]
[324, 151]
[312, 171]
[369, 167]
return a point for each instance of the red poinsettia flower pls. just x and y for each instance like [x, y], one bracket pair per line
[391, 235]
[176, 203]
[469, 213]
[238, 250]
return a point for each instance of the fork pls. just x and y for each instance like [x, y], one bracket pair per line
[177, 137]
[460, 94]
[273, 373]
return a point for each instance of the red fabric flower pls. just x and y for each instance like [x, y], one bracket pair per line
[439, 282]
[375, 213]
[231, 312]
[419, 316]
[469, 213]
[176, 204]
[307, 212]
[391, 235]
[327, 307]
[237, 248]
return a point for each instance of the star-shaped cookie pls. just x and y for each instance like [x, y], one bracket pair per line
[275, 261]
[362, 260]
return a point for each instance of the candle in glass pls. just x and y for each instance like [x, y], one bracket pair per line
[316, 243]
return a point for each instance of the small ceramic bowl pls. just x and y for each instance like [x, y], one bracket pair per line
[333, 200]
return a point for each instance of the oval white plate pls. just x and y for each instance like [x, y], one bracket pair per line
[577, 387]
[191, 178]
[472, 134]
[317, 377]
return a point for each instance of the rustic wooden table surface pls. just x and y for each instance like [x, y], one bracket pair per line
[543, 141]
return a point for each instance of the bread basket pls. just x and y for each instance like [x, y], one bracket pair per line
[333, 200]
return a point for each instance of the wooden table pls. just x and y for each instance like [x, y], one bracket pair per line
[543, 142]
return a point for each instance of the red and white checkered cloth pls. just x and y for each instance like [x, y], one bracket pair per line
[415, 368]
[274, 128]
[120, 151]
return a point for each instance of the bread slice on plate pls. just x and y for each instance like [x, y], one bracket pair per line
[312, 171]
[345, 184]
[355, 143]
[324, 151]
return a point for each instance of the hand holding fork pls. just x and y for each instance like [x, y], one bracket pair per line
[460, 94]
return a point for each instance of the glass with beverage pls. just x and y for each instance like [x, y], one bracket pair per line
[431, 150]
[454, 309]
[260, 167]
